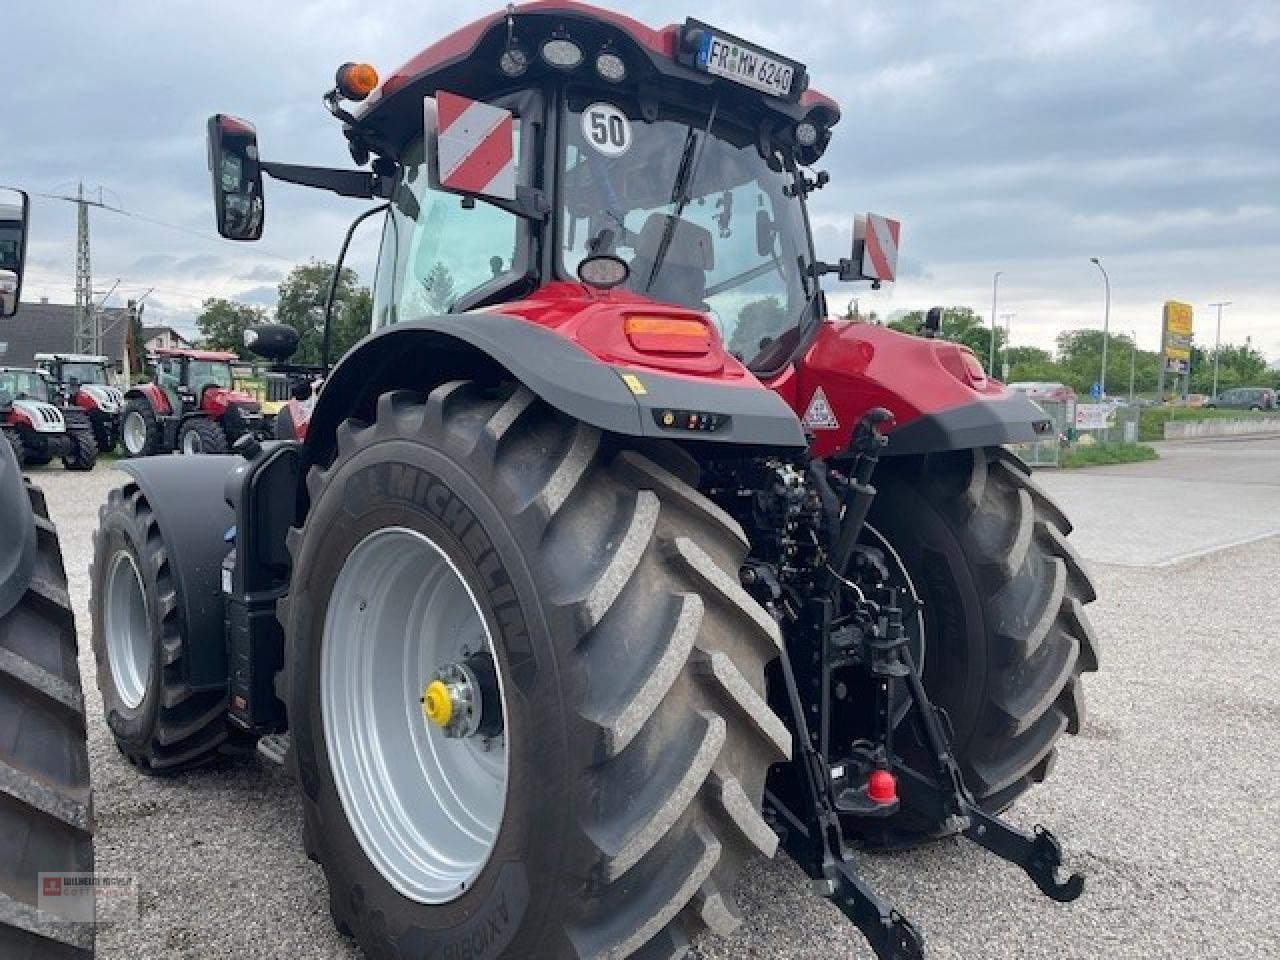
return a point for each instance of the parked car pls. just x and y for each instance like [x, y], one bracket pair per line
[1043, 391]
[1244, 398]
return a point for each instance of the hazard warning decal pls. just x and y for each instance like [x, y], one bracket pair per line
[820, 416]
[875, 244]
[475, 146]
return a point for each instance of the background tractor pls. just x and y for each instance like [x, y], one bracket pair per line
[609, 560]
[85, 382]
[43, 425]
[46, 812]
[190, 406]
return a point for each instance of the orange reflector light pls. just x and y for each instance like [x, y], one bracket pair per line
[356, 80]
[652, 334]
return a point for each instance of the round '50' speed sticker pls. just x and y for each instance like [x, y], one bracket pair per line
[606, 129]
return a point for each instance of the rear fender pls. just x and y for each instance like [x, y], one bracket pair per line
[187, 496]
[937, 391]
[422, 354]
[153, 395]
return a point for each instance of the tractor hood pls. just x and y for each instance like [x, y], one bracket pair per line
[44, 417]
[215, 401]
[95, 396]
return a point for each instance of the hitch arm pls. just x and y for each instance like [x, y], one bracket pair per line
[1038, 853]
[891, 935]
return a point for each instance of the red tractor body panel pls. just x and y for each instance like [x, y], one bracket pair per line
[859, 366]
[596, 321]
[155, 396]
[215, 401]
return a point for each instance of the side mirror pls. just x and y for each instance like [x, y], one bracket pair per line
[875, 250]
[15, 210]
[237, 178]
[471, 147]
[276, 342]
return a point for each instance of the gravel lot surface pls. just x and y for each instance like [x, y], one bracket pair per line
[1169, 801]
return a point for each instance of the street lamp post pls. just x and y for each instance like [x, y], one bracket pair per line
[1008, 339]
[1106, 324]
[1217, 345]
[995, 287]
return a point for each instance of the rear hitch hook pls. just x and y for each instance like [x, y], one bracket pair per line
[1043, 866]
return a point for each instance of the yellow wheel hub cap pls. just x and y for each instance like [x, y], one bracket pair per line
[437, 704]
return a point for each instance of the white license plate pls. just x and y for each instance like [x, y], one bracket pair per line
[734, 60]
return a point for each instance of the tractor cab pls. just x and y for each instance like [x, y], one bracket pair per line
[558, 154]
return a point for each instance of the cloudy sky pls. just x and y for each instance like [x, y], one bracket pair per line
[1022, 136]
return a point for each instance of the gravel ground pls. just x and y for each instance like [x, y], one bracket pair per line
[1169, 802]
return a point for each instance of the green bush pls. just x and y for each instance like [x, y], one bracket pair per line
[1100, 455]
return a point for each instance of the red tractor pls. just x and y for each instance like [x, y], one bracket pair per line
[191, 406]
[609, 560]
[85, 382]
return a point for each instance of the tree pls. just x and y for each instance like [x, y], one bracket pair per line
[303, 294]
[960, 325]
[758, 322]
[1080, 356]
[222, 324]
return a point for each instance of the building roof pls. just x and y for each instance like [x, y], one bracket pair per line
[150, 333]
[50, 328]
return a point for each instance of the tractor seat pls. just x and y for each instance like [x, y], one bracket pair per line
[682, 277]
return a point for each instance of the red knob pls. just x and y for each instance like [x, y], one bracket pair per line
[882, 787]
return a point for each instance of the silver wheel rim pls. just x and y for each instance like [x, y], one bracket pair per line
[128, 629]
[191, 442]
[425, 808]
[135, 432]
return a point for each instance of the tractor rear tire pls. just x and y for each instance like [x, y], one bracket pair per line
[199, 435]
[159, 722]
[1006, 636]
[46, 811]
[636, 725]
[138, 423]
[84, 451]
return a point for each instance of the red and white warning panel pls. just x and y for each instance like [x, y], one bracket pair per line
[875, 246]
[475, 146]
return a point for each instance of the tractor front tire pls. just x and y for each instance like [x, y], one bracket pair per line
[199, 435]
[159, 722]
[637, 735]
[139, 429]
[46, 812]
[84, 451]
[1006, 636]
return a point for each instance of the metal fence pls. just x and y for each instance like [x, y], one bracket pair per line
[1074, 426]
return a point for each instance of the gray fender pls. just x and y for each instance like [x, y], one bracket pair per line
[423, 353]
[188, 497]
[17, 532]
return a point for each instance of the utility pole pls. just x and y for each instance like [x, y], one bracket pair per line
[995, 287]
[86, 337]
[1106, 326]
[1217, 345]
[85, 332]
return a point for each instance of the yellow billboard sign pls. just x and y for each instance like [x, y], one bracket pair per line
[1177, 332]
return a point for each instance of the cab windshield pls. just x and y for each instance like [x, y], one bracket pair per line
[84, 373]
[23, 385]
[208, 373]
[701, 218]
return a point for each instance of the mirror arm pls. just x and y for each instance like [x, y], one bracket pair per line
[345, 183]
